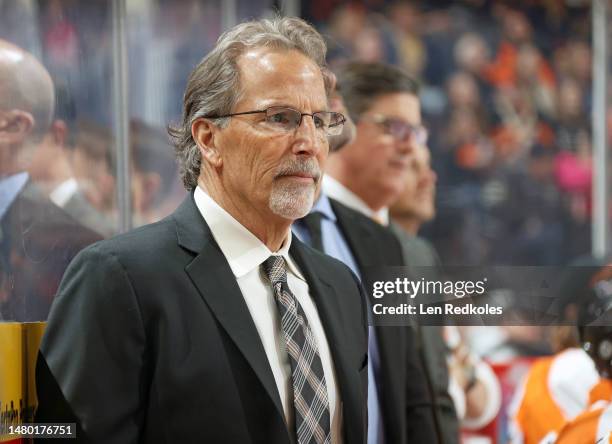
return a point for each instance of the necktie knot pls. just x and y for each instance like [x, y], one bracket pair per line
[274, 268]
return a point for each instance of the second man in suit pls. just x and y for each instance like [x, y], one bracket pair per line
[399, 406]
[369, 173]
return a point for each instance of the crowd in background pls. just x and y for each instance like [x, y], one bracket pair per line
[507, 99]
[506, 96]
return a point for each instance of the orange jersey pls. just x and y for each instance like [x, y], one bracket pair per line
[593, 426]
[555, 391]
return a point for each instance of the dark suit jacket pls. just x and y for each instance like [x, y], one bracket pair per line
[37, 242]
[418, 252]
[150, 340]
[406, 405]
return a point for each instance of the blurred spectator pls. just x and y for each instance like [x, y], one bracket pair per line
[463, 93]
[344, 25]
[516, 31]
[406, 24]
[579, 63]
[572, 116]
[473, 56]
[416, 204]
[154, 171]
[94, 165]
[472, 385]
[535, 235]
[52, 169]
[37, 238]
[354, 34]
[369, 45]
[60, 36]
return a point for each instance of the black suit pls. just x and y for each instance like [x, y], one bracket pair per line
[418, 252]
[150, 340]
[37, 242]
[406, 406]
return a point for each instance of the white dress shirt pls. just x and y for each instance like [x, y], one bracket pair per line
[338, 191]
[245, 253]
[64, 192]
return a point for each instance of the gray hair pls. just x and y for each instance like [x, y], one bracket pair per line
[213, 87]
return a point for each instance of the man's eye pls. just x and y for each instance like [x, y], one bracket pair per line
[281, 118]
[318, 121]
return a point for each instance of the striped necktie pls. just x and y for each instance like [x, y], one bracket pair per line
[312, 418]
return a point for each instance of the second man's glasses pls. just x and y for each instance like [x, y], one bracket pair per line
[401, 130]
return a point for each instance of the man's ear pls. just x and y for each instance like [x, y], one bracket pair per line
[203, 132]
[15, 126]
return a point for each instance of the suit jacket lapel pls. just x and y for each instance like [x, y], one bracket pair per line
[330, 311]
[359, 237]
[212, 276]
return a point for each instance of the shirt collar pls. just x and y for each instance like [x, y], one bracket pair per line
[242, 249]
[10, 187]
[64, 192]
[334, 189]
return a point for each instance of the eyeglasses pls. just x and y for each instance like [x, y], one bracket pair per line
[400, 130]
[283, 119]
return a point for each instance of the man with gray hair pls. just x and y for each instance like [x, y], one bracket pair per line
[214, 324]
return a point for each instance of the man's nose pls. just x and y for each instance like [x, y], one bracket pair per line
[308, 139]
[407, 145]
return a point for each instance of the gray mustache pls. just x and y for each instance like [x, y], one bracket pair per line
[309, 167]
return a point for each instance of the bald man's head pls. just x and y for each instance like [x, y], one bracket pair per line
[25, 85]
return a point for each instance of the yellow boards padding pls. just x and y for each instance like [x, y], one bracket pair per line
[19, 344]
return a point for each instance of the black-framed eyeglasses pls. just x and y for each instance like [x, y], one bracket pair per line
[284, 119]
[401, 130]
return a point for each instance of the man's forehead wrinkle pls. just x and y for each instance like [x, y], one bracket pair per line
[262, 61]
[269, 77]
[287, 100]
[267, 60]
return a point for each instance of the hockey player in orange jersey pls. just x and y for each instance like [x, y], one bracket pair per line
[557, 387]
[594, 425]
